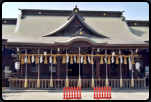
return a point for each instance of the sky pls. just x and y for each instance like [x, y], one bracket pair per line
[133, 10]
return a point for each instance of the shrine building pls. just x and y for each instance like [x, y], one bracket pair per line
[52, 49]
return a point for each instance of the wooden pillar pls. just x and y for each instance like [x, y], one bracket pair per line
[22, 70]
[58, 66]
[135, 73]
[118, 70]
[97, 68]
[109, 70]
[39, 69]
[126, 70]
[18, 73]
[29, 69]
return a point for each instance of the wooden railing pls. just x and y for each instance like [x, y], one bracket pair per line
[15, 83]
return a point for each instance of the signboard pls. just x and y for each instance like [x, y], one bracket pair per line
[147, 71]
[7, 68]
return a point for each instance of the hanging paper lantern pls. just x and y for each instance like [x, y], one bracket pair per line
[137, 65]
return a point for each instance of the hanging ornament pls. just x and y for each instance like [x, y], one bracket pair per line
[88, 58]
[112, 59]
[58, 49]
[85, 62]
[105, 59]
[109, 62]
[101, 60]
[125, 62]
[98, 50]
[25, 58]
[28, 61]
[117, 62]
[71, 60]
[54, 59]
[81, 59]
[22, 59]
[130, 64]
[45, 62]
[37, 60]
[67, 58]
[50, 59]
[32, 59]
[41, 59]
[63, 61]
[74, 59]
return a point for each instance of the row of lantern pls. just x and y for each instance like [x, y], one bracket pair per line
[76, 60]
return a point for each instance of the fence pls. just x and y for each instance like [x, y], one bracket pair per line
[86, 83]
[100, 94]
[72, 93]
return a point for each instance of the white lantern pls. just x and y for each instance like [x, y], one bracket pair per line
[17, 65]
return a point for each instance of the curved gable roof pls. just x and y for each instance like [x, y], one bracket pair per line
[69, 22]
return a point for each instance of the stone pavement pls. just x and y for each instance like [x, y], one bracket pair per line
[140, 94]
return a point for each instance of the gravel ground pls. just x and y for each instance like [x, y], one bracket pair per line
[85, 94]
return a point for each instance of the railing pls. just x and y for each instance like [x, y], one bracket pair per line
[86, 83]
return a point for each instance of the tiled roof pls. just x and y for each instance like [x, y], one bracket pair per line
[140, 31]
[32, 28]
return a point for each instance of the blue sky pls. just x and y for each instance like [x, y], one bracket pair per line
[133, 10]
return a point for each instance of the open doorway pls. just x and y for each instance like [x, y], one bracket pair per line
[73, 69]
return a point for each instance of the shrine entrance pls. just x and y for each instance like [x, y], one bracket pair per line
[73, 69]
